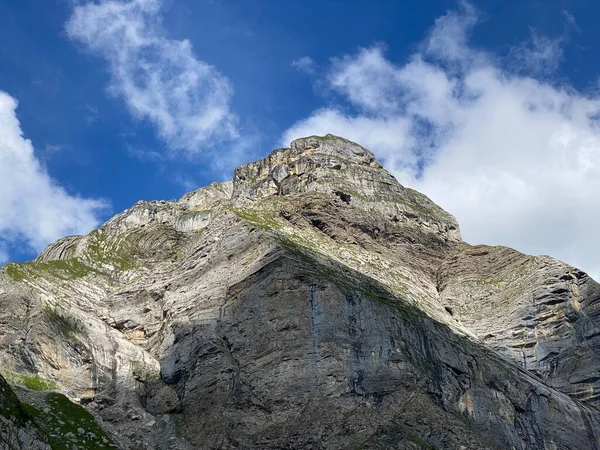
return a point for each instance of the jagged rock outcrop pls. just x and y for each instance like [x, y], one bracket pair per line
[313, 302]
[342, 168]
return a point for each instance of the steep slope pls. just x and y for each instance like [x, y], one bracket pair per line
[313, 302]
[537, 311]
[46, 421]
[17, 429]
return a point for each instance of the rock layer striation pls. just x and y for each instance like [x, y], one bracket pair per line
[312, 302]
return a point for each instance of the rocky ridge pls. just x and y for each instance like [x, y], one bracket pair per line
[312, 302]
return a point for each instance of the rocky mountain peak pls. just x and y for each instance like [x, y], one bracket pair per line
[335, 146]
[315, 163]
[312, 302]
[337, 166]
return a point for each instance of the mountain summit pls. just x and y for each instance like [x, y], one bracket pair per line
[311, 303]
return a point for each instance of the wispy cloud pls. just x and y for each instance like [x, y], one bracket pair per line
[144, 155]
[449, 37]
[539, 55]
[514, 157]
[159, 79]
[305, 64]
[36, 210]
[570, 23]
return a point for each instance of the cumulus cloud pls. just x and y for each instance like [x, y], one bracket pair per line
[160, 79]
[514, 157]
[35, 209]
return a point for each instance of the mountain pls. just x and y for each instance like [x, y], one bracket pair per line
[311, 303]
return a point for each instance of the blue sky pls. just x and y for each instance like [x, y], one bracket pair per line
[489, 107]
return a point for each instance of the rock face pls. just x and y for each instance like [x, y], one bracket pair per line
[313, 302]
[537, 311]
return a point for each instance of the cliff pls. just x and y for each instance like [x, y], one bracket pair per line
[312, 302]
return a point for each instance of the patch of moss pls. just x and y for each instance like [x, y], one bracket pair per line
[116, 254]
[10, 406]
[67, 424]
[67, 329]
[66, 269]
[32, 382]
[261, 219]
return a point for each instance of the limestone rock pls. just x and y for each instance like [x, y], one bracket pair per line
[337, 166]
[312, 302]
[538, 311]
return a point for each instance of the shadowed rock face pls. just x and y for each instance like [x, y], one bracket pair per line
[313, 302]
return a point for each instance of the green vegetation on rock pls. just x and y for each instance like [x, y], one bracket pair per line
[10, 406]
[117, 254]
[67, 269]
[32, 382]
[69, 425]
[261, 219]
[59, 422]
[67, 329]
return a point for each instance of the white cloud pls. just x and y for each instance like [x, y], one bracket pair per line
[160, 79]
[304, 64]
[449, 36]
[35, 209]
[570, 23]
[368, 80]
[540, 54]
[516, 159]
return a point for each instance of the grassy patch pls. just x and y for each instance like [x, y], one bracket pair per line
[67, 269]
[37, 383]
[10, 405]
[67, 424]
[17, 271]
[117, 254]
[32, 382]
[261, 219]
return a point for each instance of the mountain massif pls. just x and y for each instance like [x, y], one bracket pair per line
[311, 303]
